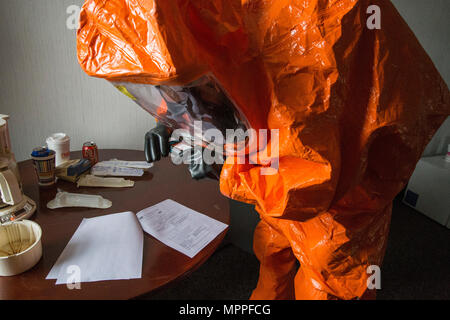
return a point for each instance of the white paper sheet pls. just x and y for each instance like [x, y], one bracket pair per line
[179, 227]
[103, 248]
[101, 169]
[129, 164]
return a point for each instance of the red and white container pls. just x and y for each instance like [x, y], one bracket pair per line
[60, 143]
[90, 152]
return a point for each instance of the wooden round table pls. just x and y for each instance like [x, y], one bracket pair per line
[161, 265]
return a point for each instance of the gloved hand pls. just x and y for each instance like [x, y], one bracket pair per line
[157, 146]
[157, 143]
[200, 170]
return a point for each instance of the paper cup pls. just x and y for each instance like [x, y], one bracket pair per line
[60, 143]
[20, 247]
[45, 168]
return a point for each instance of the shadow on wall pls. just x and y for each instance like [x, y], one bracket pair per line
[244, 219]
[440, 142]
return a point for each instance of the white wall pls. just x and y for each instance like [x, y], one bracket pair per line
[45, 91]
[430, 21]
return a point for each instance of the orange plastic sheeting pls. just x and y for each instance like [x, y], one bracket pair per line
[141, 41]
[354, 107]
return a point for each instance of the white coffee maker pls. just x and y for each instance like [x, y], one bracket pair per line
[14, 205]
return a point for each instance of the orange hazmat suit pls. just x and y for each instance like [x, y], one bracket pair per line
[355, 108]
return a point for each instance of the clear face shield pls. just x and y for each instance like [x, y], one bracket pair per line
[200, 112]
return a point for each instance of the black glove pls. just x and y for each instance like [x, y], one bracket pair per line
[203, 170]
[200, 170]
[157, 146]
[157, 143]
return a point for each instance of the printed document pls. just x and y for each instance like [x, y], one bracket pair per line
[179, 227]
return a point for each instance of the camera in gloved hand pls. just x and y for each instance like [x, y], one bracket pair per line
[159, 145]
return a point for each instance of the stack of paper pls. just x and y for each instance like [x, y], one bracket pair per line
[129, 164]
[179, 227]
[105, 170]
[103, 248]
[111, 247]
[120, 168]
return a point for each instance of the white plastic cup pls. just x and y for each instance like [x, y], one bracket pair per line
[60, 143]
[44, 163]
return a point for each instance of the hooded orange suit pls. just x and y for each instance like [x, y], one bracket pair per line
[354, 107]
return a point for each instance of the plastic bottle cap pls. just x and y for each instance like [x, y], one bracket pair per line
[40, 152]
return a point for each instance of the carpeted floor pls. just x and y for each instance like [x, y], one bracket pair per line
[416, 265]
[417, 261]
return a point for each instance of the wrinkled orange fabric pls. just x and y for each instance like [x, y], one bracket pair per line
[355, 109]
